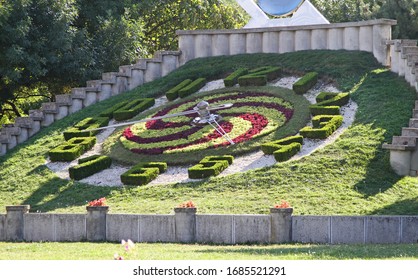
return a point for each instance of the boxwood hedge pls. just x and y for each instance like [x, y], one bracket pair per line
[305, 83]
[232, 79]
[72, 149]
[210, 166]
[78, 130]
[89, 166]
[323, 126]
[192, 87]
[133, 108]
[270, 147]
[173, 93]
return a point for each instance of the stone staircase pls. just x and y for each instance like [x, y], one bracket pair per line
[403, 149]
[111, 84]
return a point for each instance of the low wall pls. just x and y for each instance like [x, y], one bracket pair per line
[370, 36]
[185, 226]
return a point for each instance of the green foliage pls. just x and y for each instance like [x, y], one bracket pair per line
[192, 87]
[259, 76]
[324, 110]
[270, 147]
[285, 152]
[108, 113]
[210, 166]
[323, 126]
[332, 99]
[72, 149]
[78, 130]
[89, 166]
[133, 108]
[232, 78]
[305, 83]
[137, 176]
[173, 93]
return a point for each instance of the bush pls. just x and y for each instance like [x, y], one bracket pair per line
[270, 147]
[324, 110]
[210, 166]
[173, 93]
[89, 166]
[72, 149]
[192, 87]
[139, 175]
[232, 79]
[89, 123]
[324, 127]
[332, 99]
[287, 151]
[305, 83]
[109, 112]
[260, 76]
[133, 108]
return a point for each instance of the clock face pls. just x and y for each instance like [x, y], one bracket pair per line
[279, 8]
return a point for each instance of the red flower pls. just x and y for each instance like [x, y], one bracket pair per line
[98, 202]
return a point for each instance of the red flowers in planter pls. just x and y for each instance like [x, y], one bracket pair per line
[283, 204]
[98, 202]
[187, 204]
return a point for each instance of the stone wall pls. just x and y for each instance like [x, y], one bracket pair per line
[186, 226]
[370, 36]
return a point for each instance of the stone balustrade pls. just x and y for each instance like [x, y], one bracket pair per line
[111, 84]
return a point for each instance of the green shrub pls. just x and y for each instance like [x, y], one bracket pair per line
[89, 166]
[228, 158]
[66, 152]
[324, 127]
[324, 110]
[89, 123]
[287, 151]
[259, 76]
[173, 93]
[305, 83]
[332, 99]
[138, 175]
[109, 112]
[232, 79]
[192, 87]
[207, 169]
[133, 108]
[270, 147]
[210, 166]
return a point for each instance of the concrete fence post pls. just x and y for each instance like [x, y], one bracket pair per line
[14, 227]
[185, 224]
[96, 223]
[281, 225]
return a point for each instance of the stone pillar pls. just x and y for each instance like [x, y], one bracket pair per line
[302, 40]
[254, 42]
[366, 38]
[351, 38]
[287, 41]
[319, 39]
[237, 43]
[220, 44]
[382, 33]
[271, 42]
[96, 223]
[153, 70]
[186, 45]
[335, 39]
[203, 45]
[281, 225]
[14, 228]
[185, 223]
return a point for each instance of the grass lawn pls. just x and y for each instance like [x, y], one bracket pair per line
[162, 251]
[350, 177]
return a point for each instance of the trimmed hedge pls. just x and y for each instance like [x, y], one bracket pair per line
[210, 166]
[332, 99]
[72, 149]
[324, 126]
[143, 173]
[232, 79]
[88, 123]
[192, 87]
[324, 110]
[173, 93]
[133, 108]
[287, 151]
[270, 147]
[305, 83]
[260, 76]
[89, 166]
[109, 112]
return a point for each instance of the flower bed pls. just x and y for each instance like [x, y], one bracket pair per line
[253, 114]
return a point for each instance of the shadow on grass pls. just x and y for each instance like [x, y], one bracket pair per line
[57, 193]
[399, 208]
[324, 252]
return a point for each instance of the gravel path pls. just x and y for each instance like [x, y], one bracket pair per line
[111, 176]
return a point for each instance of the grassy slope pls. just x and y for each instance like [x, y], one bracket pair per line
[351, 176]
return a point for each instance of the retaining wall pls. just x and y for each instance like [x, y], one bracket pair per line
[370, 36]
[185, 226]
